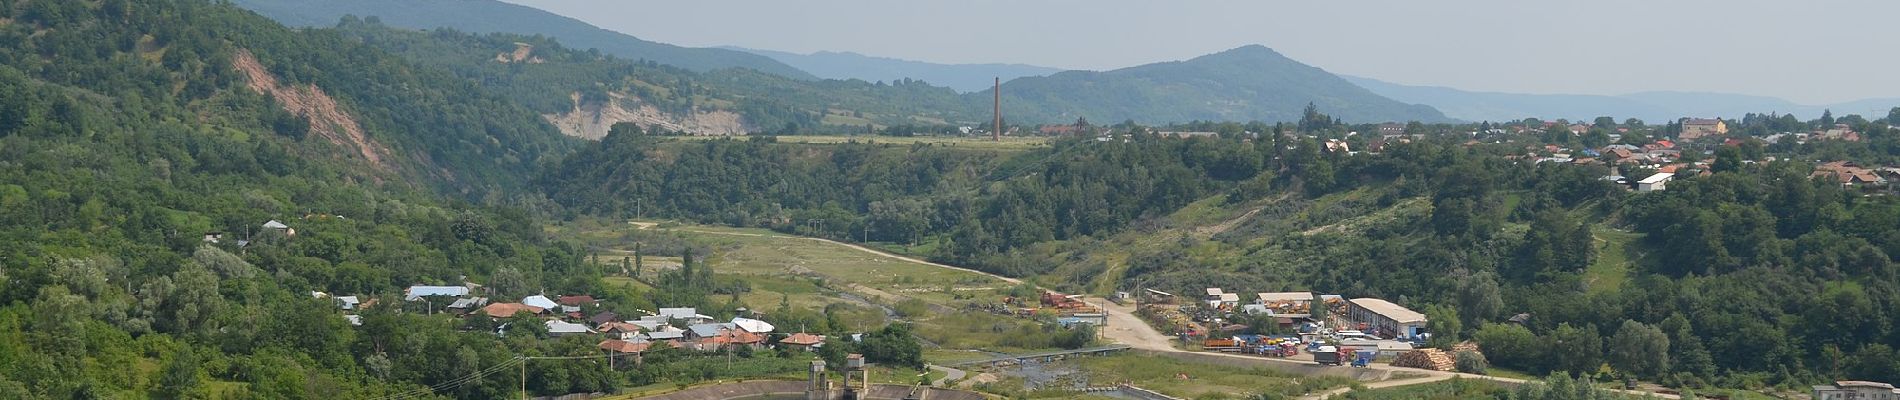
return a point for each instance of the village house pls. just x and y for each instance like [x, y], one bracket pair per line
[1838, 132]
[564, 328]
[466, 305]
[505, 310]
[603, 317]
[802, 341]
[1856, 390]
[1385, 319]
[418, 292]
[687, 314]
[541, 301]
[1847, 173]
[275, 225]
[636, 347]
[669, 335]
[578, 301]
[1697, 128]
[620, 330]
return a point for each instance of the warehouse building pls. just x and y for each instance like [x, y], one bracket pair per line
[1383, 319]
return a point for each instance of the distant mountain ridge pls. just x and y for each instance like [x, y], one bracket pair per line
[848, 65]
[1652, 106]
[1243, 84]
[485, 16]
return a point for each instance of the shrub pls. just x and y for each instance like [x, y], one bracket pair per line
[1471, 362]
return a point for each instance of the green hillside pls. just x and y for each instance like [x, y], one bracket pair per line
[1460, 230]
[487, 16]
[768, 103]
[1251, 83]
[129, 131]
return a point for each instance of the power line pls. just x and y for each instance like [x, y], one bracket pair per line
[452, 383]
[476, 376]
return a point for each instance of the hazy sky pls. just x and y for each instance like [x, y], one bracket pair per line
[1810, 52]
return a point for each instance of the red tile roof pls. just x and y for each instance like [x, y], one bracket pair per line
[505, 310]
[619, 327]
[622, 346]
[582, 300]
[802, 339]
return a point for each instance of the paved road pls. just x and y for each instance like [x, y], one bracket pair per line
[949, 374]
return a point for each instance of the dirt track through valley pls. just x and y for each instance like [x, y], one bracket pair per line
[1125, 328]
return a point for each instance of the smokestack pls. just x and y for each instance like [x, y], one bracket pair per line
[996, 131]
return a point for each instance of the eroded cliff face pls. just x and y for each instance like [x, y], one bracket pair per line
[591, 121]
[327, 119]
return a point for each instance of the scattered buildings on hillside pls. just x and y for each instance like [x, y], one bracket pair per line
[1848, 173]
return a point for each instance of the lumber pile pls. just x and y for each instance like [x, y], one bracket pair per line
[1432, 359]
[1465, 346]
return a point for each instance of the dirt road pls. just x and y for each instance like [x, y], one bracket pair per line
[1125, 328]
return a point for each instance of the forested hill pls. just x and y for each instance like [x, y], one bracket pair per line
[130, 140]
[486, 16]
[1251, 83]
[585, 86]
[1244, 84]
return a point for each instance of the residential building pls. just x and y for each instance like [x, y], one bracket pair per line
[1848, 174]
[802, 341]
[276, 225]
[467, 305]
[669, 335]
[690, 315]
[505, 310]
[635, 347]
[603, 317]
[753, 325]
[620, 330]
[417, 292]
[1385, 319]
[1856, 390]
[578, 301]
[1697, 128]
[541, 301]
[564, 328]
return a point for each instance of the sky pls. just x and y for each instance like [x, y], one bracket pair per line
[1809, 52]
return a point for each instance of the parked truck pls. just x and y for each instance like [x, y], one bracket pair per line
[1328, 355]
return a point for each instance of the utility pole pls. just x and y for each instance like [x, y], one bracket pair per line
[524, 378]
[996, 131]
